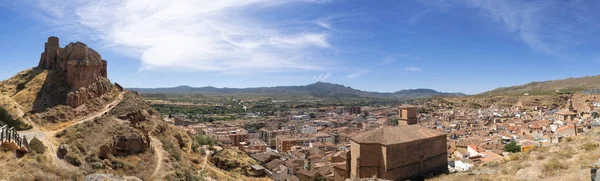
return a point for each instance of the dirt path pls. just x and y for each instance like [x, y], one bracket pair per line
[213, 168]
[106, 109]
[46, 136]
[160, 152]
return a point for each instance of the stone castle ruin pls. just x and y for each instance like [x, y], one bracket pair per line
[84, 70]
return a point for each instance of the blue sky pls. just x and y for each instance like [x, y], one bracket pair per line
[468, 46]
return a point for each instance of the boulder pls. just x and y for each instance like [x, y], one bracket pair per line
[529, 173]
[130, 145]
[63, 150]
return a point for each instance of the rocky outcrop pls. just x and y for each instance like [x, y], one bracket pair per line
[128, 146]
[124, 145]
[81, 95]
[49, 58]
[84, 70]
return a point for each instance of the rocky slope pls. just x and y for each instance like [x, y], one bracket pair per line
[88, 125]
[565, 85]
[568, 160]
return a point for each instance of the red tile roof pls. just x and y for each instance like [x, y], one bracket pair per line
[396, 135]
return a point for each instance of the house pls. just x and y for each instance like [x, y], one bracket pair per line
[307, 129]
[257, 171]
[305, 175]
[474, 150]
[463, 165]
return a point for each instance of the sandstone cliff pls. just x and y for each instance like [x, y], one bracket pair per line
[83, 68]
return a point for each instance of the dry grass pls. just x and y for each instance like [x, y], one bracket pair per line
[588, 146]
[561, 161]
[553, 165]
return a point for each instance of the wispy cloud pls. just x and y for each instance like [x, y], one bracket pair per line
[358, 74]
[322, 77]
[197, 35]
[413, 69]
[545, 26]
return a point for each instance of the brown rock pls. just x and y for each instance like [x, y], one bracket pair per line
[63, 149]
[49, 58]
[130, 145]
[85, 71]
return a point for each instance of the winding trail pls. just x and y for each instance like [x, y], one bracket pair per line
[158, 148]
[213, 168]
[46, 136]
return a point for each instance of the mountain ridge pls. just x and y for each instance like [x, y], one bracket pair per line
[318, 89]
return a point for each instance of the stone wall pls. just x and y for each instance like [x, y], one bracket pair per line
[417, 159]
[410, 160]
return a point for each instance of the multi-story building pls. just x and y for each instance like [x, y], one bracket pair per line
[238, 136]
[308, 129]
[324, 138]
[285, 143]
[269, 136]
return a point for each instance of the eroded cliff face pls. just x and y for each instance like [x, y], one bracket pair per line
[84, 70]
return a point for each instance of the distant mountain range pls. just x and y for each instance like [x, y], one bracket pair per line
[589, 83]
[319, 89]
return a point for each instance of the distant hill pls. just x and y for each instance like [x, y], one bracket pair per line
[319, 89]
[588, 83]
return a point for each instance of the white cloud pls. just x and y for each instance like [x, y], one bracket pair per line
[322, 77]
[545, 26]
[413, 69]
[518, 17]
[197, 35]
[324, 24]
[358, 74]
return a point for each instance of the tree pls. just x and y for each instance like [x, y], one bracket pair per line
[394, 121]
[595, 115]
[512, 147]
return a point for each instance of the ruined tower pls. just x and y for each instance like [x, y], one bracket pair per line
[82, 68]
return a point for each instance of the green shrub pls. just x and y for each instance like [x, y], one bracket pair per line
[97, 165]
[512, 147]
[170, 148]
[205, 140]
[36, 146]
[73, 159]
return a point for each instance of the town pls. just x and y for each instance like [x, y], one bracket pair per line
[392, 142]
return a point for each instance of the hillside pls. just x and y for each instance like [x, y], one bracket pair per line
[565, 85]
[566, 160]
[78, 123]
[318, 90]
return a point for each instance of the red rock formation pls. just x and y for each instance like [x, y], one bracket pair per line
[49, 57]
[85, 71]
